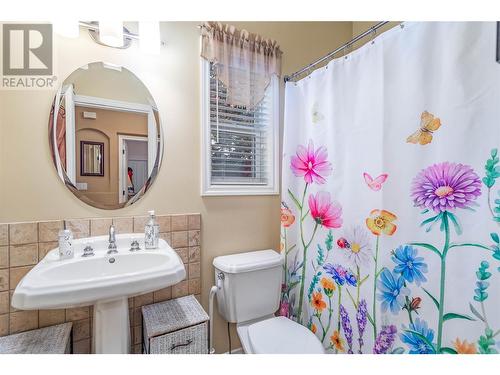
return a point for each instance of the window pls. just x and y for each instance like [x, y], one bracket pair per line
[240, 145]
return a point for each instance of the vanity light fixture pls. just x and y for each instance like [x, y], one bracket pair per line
[107, 34]
[111, 33]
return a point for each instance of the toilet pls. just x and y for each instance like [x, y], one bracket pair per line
[248, 293]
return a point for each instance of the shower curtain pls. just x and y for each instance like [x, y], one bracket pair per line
[391, 194]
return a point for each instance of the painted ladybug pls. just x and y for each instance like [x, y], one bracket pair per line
[343, 244]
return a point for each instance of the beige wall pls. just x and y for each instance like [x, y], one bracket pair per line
[30, 189]
[102, 82]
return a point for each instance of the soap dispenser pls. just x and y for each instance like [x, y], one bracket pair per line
[151, 232]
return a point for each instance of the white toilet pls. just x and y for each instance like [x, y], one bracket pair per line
[249, 286]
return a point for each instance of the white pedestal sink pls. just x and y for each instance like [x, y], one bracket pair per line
[105, 281]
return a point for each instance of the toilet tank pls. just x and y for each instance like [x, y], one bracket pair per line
[249, 284]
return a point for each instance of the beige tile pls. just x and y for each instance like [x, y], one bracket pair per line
[77, 313]
[4, 256]
[12, 309]
[164, 221]
[179, 222]
[180, 289]
[4, 302]
[45, 247]
[81, 329]
[143, 299]
[137, 334]
[198, 297]
[49, 230]
[81, 347]
[194, 254]
[16, 274]
[140, 223]
[79, 227]
[21, 233]
[137, 315]
[21, 321]
[162, 294]
[194, 286]
[167, 237]
[100, 227]
[179, 239]
[194, 270]
[194, 238]
[4, 234]
[131, 316]
[4, 279]
[194, 222]
[183, 254]
[51, 317]
[123, 224]
[4, 325]
[23, 255]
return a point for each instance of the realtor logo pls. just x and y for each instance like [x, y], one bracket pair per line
[27, 56]
[27, 49]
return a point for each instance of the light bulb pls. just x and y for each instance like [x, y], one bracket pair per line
[111, 33]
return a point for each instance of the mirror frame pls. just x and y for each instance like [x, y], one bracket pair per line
[61, 172]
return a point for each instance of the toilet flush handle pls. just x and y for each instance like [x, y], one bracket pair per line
[220, 279]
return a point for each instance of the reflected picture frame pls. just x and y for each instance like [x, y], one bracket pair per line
[91, 158]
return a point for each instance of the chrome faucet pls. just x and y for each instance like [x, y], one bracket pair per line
[112, 240]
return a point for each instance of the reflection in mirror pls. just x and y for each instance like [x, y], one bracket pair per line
[91, 158]
[105, 135]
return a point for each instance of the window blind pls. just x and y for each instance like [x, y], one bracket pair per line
[240, 138]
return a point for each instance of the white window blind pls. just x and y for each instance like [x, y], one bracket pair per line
[241, 154]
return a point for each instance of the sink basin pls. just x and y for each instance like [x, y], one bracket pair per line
[105, 281]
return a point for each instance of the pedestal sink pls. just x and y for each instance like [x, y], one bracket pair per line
[105, 281]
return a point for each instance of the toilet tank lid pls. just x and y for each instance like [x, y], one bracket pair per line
[249, 261]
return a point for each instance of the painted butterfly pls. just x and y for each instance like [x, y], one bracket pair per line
[375, 184]
[428, 125]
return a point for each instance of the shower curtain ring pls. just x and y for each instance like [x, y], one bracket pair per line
[373, 34]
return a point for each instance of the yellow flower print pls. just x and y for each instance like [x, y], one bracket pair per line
[380, 221]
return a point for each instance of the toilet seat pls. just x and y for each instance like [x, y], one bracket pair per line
[280, 335]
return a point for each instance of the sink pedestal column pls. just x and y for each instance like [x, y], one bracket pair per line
[111, 327]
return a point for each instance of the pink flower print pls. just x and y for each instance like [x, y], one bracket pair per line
[311, 164]
[324, 211]
[283, 311]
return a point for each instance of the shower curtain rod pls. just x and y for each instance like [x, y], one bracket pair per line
[371, 30]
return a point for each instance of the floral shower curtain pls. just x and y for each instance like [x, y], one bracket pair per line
[391, 194]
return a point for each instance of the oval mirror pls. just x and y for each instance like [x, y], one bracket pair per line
[105, 135]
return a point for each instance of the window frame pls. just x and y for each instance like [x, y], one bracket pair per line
[209, 189]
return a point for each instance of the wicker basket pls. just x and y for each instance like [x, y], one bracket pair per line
[49, 340]
[178, 326]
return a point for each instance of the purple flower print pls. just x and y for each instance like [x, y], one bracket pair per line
[361, 318]
[445, 186]
[346, 326]
[385, 339]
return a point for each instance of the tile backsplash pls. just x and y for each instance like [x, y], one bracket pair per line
[23, 245]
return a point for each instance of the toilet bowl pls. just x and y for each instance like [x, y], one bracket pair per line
[248, 294]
